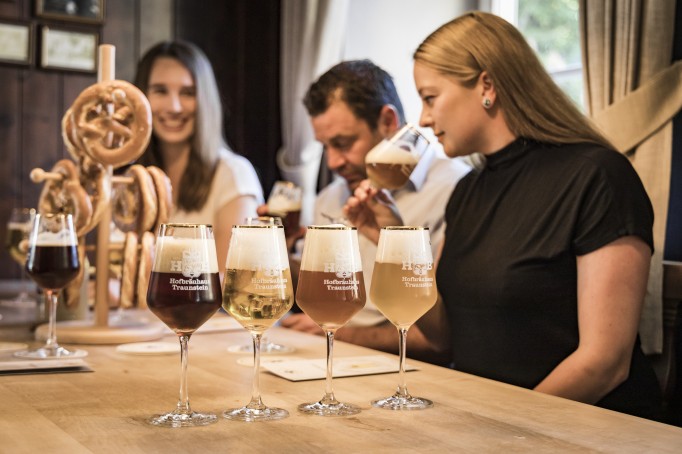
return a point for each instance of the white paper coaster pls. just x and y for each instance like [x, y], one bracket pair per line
[248, 360]
[149, 348]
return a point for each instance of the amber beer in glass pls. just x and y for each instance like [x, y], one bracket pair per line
[403, 288]
[257, 293]
[330, 290]
[184, 292]
[391, 162]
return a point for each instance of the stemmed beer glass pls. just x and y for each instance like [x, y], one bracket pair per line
[330, 290]
[52, 262]
[184, 292]
[18, 229]
[266, 346]
[403, 288]
[391, 162]
[257, 293]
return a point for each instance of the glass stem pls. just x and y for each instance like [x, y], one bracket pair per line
[183, 402]
[51, 300]
[329, 390]
[402, 347]
[256, 401]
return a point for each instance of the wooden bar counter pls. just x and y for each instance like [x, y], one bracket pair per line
[105, 410]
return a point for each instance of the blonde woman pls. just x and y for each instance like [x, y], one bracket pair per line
[547, 246]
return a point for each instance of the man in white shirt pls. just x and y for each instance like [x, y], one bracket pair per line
[352, 107]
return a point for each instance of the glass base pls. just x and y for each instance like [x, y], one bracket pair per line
[251, 414]
[397, 402]
[182, 419]
[51, 353]
[268, 348]
[334, 409]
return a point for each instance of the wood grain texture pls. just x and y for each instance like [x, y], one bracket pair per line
[105, 411]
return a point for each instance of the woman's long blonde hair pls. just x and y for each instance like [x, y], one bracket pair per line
[534, 106]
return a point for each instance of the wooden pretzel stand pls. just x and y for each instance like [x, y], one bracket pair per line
[138, 324]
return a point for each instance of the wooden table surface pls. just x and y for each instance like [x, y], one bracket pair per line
[105, 411]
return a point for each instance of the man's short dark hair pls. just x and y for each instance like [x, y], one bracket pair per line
[361, 84]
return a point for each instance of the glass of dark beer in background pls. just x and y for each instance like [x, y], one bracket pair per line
[18, 228]
[284, 202]
[184, 292]
[391, 162]
[257, 293]
[330, 290]
[403, 288]
[52, 262]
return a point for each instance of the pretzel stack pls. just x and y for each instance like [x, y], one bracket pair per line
[108, 127]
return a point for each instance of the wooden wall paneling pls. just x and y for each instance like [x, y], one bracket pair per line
[10, 170]
[41, 123]
[156, 23]
[121, 29]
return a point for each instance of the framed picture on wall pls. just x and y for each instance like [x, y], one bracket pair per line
[90, 11]
[68, 49]
[16, 42]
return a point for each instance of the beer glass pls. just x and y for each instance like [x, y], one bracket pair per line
[403, 288]
[18, 228]
[330, 290]
[257, 293]
[266, 346]
[284, 202]
[184, 292]
[52, 262]
[391, 162]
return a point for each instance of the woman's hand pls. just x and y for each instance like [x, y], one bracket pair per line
[369, 209]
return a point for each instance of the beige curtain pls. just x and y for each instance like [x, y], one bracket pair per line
[632, 92]
[313, 35]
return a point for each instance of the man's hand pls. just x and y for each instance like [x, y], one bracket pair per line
[291, 236]
[369, 209]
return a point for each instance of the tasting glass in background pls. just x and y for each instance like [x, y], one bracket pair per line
[403, 288]
[18, 228]
[257, 292]
[266, 346]
[330, 290]
[184, 292]
[391, 162]
[52, 262]
[284, 202]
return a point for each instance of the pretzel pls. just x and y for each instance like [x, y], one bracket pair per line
[70, 136]
[164, 195]
[96, 180]
[113, 121]
[145, 268]
[129, 272]
[67, 196]
[134, 205]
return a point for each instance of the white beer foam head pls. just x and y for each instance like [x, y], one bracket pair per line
[257, 247]
[193, 255]
[386, 152]
[331, 247]
[280, 203]
[398, 246]
[59, 239]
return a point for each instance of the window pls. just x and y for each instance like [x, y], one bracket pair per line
[551, 28]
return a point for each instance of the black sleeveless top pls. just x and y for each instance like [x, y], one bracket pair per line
[508, 272]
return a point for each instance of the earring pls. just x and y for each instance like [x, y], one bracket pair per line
[487, 103]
